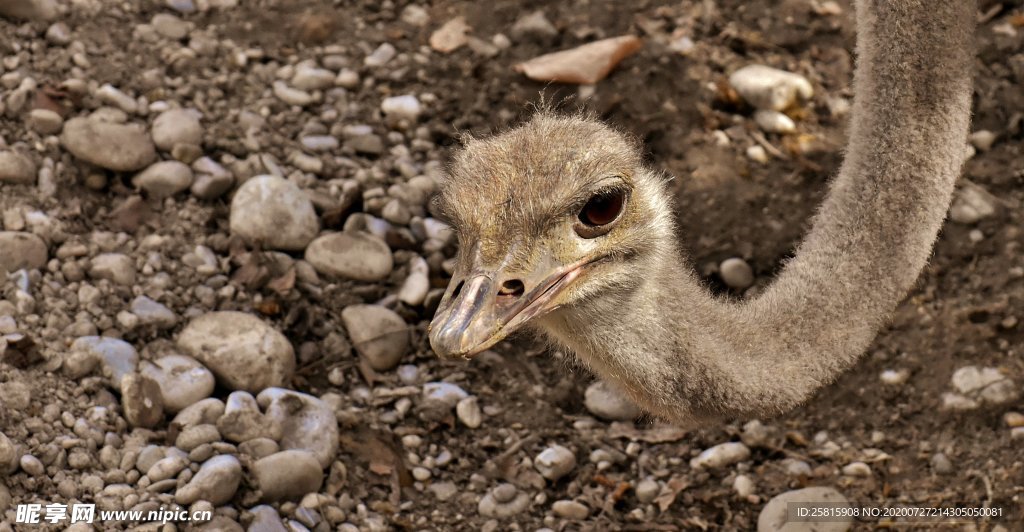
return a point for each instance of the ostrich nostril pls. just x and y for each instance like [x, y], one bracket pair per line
[457, 290]
[512, 288]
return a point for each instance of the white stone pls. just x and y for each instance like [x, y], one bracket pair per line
[274, 213]
[606, 402]
[117, 268]
[405, 107]
[415, 287]
[177, 126]
[765, 87]
[555, 462]
[736, 273]
[291, 96]
[721, 455]
[774, 121]
[308, 77]
[468, 412]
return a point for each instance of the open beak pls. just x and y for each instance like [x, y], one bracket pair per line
[483, 307]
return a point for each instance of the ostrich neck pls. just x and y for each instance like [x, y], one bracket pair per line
[686, 355]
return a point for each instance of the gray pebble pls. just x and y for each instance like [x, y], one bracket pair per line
[45, 121]
[647, 489]
[207, 411]
[16, 168]
[736, 273]
[114, 267]
[265, 519]
[166, 468]
[503, 501]
[117, 358]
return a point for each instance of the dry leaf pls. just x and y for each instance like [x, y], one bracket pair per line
[451, 36]
[585, 64]
[668, 494]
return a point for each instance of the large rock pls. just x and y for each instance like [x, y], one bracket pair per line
[356, 255]
[21, 250]
[119, 147]
[242, 350]
[275, 213]
[379, 335]
[29, 9]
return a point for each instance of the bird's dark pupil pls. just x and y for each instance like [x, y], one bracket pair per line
[602, 209]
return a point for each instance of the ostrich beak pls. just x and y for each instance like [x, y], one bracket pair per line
[482, 308]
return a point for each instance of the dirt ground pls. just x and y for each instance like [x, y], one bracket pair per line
[965, 310]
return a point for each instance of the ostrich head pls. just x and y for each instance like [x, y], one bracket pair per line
[556, 216]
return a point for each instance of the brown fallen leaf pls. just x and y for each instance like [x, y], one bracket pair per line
[585, 64]
[668, 494]
[451, 36]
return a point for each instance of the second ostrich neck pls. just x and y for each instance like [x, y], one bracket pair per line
[687, 355]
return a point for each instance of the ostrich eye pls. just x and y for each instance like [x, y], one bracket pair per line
[597, 215]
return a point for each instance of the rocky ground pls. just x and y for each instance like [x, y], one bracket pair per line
[221, 260]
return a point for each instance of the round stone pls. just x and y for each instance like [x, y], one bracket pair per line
[183, 380]
[16, 168]
[774, 516]
[736, 273]
[305, 422]
[570, 510]
[45, 121]
[275, 213]
[118, 147]
[607, 402]
[555, 462]
[241, 350]
[721, 455]
[115, 267]
[379, 335]
[288, 475]
[177, 126]
[353, 255]
[164, 179]
[21, 250]
[216, 482]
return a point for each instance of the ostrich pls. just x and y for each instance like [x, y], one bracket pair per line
[564, 231]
